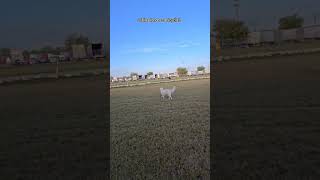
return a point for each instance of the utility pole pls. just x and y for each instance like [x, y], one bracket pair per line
[236, 6]
[57, 68]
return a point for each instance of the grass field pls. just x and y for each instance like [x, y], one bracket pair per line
[266, 118]
[54, 129]
[158, 139]
[72, 66]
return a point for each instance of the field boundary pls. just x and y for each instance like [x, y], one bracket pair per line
[157, 82]
[24, 78]
[267, 54]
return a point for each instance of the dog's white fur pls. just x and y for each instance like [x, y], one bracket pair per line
[167, 92]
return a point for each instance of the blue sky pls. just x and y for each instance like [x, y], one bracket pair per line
[158, 47]
[262, 14]
[37, 23]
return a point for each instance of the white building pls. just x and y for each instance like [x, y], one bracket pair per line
[114, 79]
[200, 72]
[174, 74]
[79, 51]
[163, 75]
[134, 78]
[16, 54]
[53, 58]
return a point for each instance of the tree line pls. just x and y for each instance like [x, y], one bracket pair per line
[238, 30]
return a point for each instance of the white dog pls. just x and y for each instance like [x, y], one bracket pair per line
[167, 92]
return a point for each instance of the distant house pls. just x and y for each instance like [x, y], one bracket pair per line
[200, 72]
[140, 77]
[67, 55]
[163, 75]
[16, 55]
[97, 50]
[127, 78]
[79, 51]
[134, 77]
[207, 70]
[8, 60]
[114, 79]
[3, 59]
[121, 79]
[89, 51]
[34, 58]
[174, 74]
[61, 57]
[193, 73]
[153, 76]
[53, 58]
[44, 58]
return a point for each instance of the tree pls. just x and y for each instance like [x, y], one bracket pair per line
[201, 68]
[182, 71]
[231, 29]
[76, 38]
[5, 52]
[47, 49]
[133, 74]
[290, 22]
[150, 73]
[26, 54]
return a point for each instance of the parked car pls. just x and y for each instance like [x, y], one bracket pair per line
[19, 62]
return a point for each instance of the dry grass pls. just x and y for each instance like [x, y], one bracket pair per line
[270, 48]
[266, 118]
[53, 129]
[154, 139]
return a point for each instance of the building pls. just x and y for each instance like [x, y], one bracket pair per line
[16, 55]
[134, 77]
[95, 50]
[163, 75]
[44, 58]
[141, 77]
[174, 74]
[53, 58]
[79, 51]
[114, 79]
[153, 76]
[200, 72]
[34, 58]
[3, 59]
[311, 32]
[121, 79]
